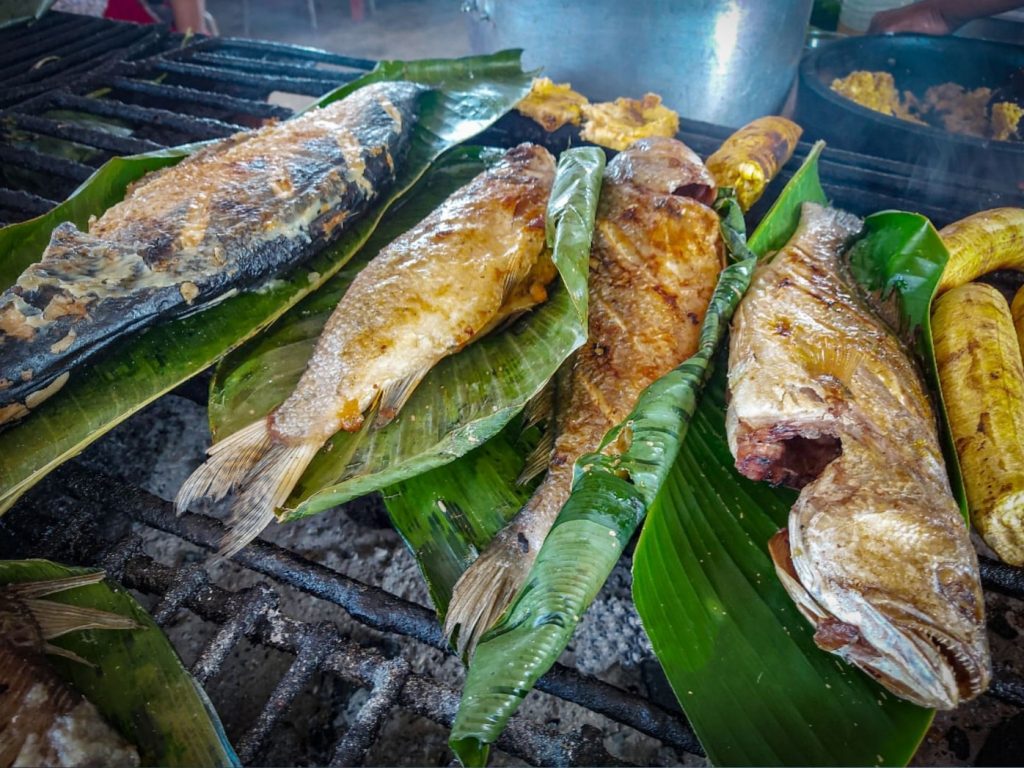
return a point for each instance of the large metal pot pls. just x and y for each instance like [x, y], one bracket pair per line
[721, 61]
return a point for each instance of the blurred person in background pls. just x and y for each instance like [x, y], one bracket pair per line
[937, 17]
[183, 15]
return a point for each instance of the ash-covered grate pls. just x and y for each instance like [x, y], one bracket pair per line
[77, 91]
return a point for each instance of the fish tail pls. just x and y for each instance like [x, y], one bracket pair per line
[230, 462]
[266, 488]
[263, 471]
[489, 586]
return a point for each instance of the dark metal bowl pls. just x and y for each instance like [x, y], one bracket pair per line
[917, 62]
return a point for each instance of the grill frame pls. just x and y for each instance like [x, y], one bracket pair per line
[215, 89]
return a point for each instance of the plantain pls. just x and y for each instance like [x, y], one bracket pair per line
[981, 243]
[1017, 310]
[749, 159]
[982, 379]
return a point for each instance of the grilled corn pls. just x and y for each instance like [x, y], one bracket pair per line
[981, 243]
[749, 159]
[982, 380]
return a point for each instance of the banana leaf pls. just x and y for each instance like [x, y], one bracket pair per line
[611, 493]
[15, 11]
[137, 681]
[748, 674]
[467, 398]
[468, 95]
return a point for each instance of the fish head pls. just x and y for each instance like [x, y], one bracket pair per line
[890, 589]
[664, 166]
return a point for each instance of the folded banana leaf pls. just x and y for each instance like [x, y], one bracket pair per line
[611, 494]
[469, 94]
[465, 399]
[14, 11]
[740, 658]
[136, 680]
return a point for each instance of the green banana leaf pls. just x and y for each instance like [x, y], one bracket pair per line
[467, 398]
[739, 656]
[611, 493]
[748, 674]
[16, 11]
[137, 682]
[469, 94]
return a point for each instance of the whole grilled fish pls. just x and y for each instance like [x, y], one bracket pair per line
[42, 720]
[824, 397]
[655, 260]
[229, 217]
[476, 260]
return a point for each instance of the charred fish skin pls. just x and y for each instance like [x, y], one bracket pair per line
[474, 261]
[229, 217]
[824, 397]
[655, 259]
[43, 721]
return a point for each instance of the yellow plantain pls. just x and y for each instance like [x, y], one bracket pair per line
[981, 243]
[1017, 310]
[982, 380]
[749, 159]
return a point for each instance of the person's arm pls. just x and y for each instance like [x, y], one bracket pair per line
[938, 17]
[190, 15]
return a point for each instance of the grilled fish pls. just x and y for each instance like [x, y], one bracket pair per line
[42, 720]
[823, 397]
[655, 260]
[475, 261]
[231, 216]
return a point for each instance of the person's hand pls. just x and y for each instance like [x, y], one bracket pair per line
[922, 18]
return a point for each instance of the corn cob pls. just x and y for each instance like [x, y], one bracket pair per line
[749, 159]
[1017, 310]
[982, 380]
[981, 243]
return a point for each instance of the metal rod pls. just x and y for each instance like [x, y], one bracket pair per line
[190, 126]
[184, 95]
[389, 679]
[365, 603]
[310, 86]
[81, 134]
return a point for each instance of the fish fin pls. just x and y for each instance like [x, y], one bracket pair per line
[541, 407]
[30, 589]
[56, 650]
[523, 262]
[265, 487]
[56, 619]
[396, 394]
[483, 593]
[839, 362]
[538, 459]
[230, 462]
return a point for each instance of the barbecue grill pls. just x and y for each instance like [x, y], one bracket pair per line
[136, 89]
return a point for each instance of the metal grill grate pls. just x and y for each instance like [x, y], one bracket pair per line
[78, 91]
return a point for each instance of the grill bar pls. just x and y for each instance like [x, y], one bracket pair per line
[184, 95]
[422, 695]
[103, 45]
[56, 39]
[389, 679]
[24, 202]
[62, 129]
[308, 86]
[287, 51]
[192, 127]
[367, 604]
[36, 161]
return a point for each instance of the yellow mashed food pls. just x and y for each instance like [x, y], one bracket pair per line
[613, 124]
[949, 105]
[552, 104]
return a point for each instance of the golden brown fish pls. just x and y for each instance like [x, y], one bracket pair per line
[824, 397]
[229, 217]
[477, 259]
[655, 260]
[42, 720]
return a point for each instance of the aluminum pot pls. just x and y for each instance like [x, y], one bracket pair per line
[721, 61]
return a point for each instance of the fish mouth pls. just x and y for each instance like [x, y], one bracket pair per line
[913, 659]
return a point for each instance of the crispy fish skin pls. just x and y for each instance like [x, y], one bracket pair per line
[229, 217]
[655, 259]
[473, 262]
[824, 397]
[42, 720]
